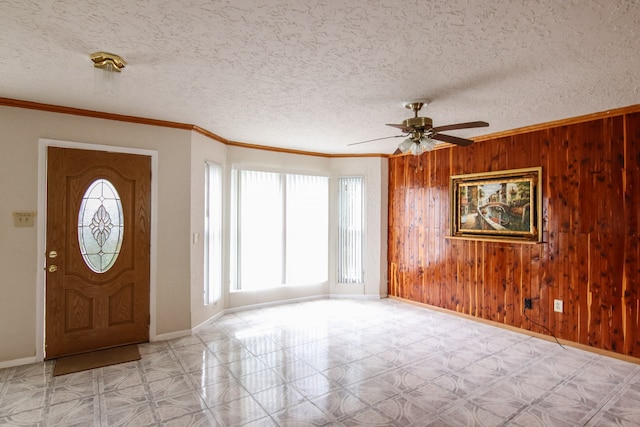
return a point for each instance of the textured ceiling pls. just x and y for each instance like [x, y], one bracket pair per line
[318, 75]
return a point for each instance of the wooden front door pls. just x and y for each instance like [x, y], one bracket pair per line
[98, 244]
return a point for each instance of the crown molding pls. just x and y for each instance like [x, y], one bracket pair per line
[9, 102]
[562, 122]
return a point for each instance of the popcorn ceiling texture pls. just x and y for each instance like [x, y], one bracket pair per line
[318, 75]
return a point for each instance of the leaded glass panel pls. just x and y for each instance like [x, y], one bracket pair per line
[100, 225]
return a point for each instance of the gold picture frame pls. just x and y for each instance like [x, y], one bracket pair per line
[502, 205]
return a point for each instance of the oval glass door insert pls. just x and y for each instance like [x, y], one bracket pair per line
[100, 225]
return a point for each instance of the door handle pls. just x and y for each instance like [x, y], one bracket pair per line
[53, 254]
[53, 268]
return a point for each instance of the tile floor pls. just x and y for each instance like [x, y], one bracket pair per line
[335, 363]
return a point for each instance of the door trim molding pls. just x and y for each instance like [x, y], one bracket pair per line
[43, 144]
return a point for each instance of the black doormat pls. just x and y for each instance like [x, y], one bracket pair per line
[96, 359]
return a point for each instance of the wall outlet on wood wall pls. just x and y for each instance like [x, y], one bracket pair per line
[557, 305]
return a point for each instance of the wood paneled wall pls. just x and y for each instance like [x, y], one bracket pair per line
[590, 253]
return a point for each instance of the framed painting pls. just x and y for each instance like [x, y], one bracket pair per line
[504, 205]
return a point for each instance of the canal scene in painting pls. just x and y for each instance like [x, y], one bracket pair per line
[496, 206]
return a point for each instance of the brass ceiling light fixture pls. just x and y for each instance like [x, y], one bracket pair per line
[108, 61]
[108, 66]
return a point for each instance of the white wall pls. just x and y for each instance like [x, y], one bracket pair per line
[179, 269]
[203, 149]
[375, 172]
[20, 130]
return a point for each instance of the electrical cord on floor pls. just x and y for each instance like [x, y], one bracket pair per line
[524, 311]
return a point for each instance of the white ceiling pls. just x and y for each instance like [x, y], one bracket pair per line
[318, 75]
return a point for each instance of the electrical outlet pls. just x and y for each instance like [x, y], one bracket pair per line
[528, 303]
[557, 305]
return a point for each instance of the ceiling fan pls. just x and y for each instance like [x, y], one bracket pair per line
[420, 133]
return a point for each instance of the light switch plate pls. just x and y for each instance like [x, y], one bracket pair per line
[557, 305]
[23, 219]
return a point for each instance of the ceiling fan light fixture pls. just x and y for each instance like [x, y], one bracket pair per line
[427, 144]
[416, 149]
[406, 145]
[416, 145]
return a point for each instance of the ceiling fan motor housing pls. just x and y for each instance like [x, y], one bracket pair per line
[418, 123]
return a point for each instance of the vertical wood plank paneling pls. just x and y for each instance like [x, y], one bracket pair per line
[524, 281]
[482, 291]
[631, 274]
[472, 279]
[580, 270]
[565, 254]
[589, 257]
[546, 318]
[499, 275]
[632, 211]
[514, 303]
[543, 145]
[535, 285]
[488, 277]
[511, 264]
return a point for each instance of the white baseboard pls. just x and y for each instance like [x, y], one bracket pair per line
[357, 296]
[274, 303]
[18, 362]
[209, 320]
[184, 333]
[171, 335]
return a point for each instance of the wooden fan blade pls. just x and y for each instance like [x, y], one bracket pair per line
[375, 139]
[452, 139]
[403, 127]
[467, 125]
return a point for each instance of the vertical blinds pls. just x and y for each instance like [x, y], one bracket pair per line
[282, 229]
[213, 233]
[350, 230]
[260, 230]
[307, 231]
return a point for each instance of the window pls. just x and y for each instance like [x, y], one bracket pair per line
[260, 229]
[350, 230]
[213, 233]
[282, 229]
[100, 226]
[307, 243]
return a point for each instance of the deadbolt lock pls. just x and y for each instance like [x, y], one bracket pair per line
[53, 254]
[53, 268]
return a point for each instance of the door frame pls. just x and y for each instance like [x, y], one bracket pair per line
[43, 144]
